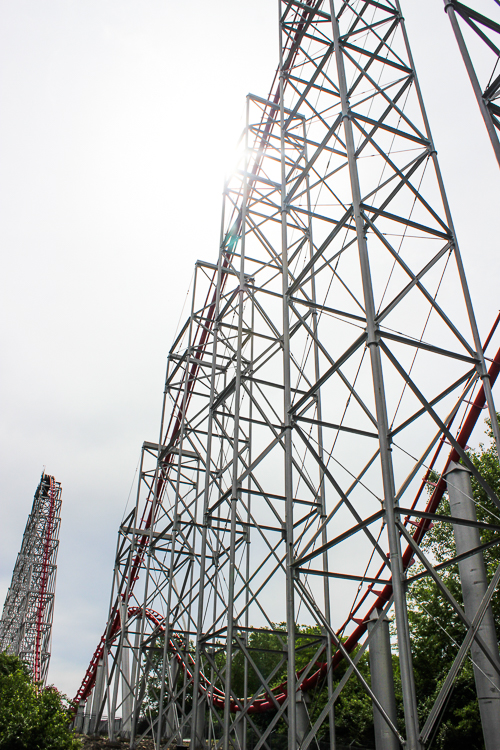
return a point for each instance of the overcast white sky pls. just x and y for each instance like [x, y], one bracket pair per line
[117, 119]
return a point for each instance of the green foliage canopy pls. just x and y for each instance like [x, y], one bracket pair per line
[31, 718]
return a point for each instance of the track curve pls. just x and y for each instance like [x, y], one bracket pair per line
[265, 703]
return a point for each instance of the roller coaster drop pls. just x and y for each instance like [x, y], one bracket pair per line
[26, 624]
[328, 357]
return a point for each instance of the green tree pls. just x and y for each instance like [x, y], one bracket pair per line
[31, 718]
[436, 629]
[268, 650]
[353, 709]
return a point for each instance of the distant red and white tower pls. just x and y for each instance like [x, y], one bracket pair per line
[26, 624]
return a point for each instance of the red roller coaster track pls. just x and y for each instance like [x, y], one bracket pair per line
[44, 577]
[181, 404]
[261, 705]
[172, 434]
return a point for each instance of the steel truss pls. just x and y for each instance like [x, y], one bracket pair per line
[485, 80]
[324, 360]
[26, 624]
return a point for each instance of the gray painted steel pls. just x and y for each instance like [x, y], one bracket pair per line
[486, 96]
[474, 586]
[320, 366]
[87, 717]
[382, 681]
[200, 743]
[80, 717]
[303, 722]
[95, 716]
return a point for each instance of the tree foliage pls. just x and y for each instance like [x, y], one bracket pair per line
[31, 718]
[267, 648]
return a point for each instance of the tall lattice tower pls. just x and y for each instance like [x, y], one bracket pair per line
[26, 624]
[330, 356]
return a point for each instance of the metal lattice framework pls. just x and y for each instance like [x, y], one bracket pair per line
[26, 624]
[326, 356]
[485, 79]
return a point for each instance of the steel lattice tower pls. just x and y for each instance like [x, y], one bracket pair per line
[26, 624]
[330, 353]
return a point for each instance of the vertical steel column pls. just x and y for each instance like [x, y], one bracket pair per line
[322, 494]
[287, 423]
[88, 716]
[242, 726]
[240, 734]
[126, 695]
[142, 657]
[175, 530]
[172, 723]
[80, 717]
[474, 584]
[199, 727]
[303, 722]
[407, 677]
[134, 681]
[97, 699]
[236, 483]
[382, 680]
[117, 672]
[206, 495]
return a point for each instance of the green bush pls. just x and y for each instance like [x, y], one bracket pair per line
[31, 718]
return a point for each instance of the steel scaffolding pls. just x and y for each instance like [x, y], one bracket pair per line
[327, 354]
[26, 624]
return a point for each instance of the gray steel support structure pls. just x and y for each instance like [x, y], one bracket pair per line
[26, 624]
[474, 583]
[326, 354]
[382, 681]
[485, 82]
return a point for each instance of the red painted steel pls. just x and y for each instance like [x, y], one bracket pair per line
[182, 401]
[47, 549]
[261, 705]
[180, 407]
[423, 525]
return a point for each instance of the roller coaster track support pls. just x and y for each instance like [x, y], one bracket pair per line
[26, 624]
[330, 353]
